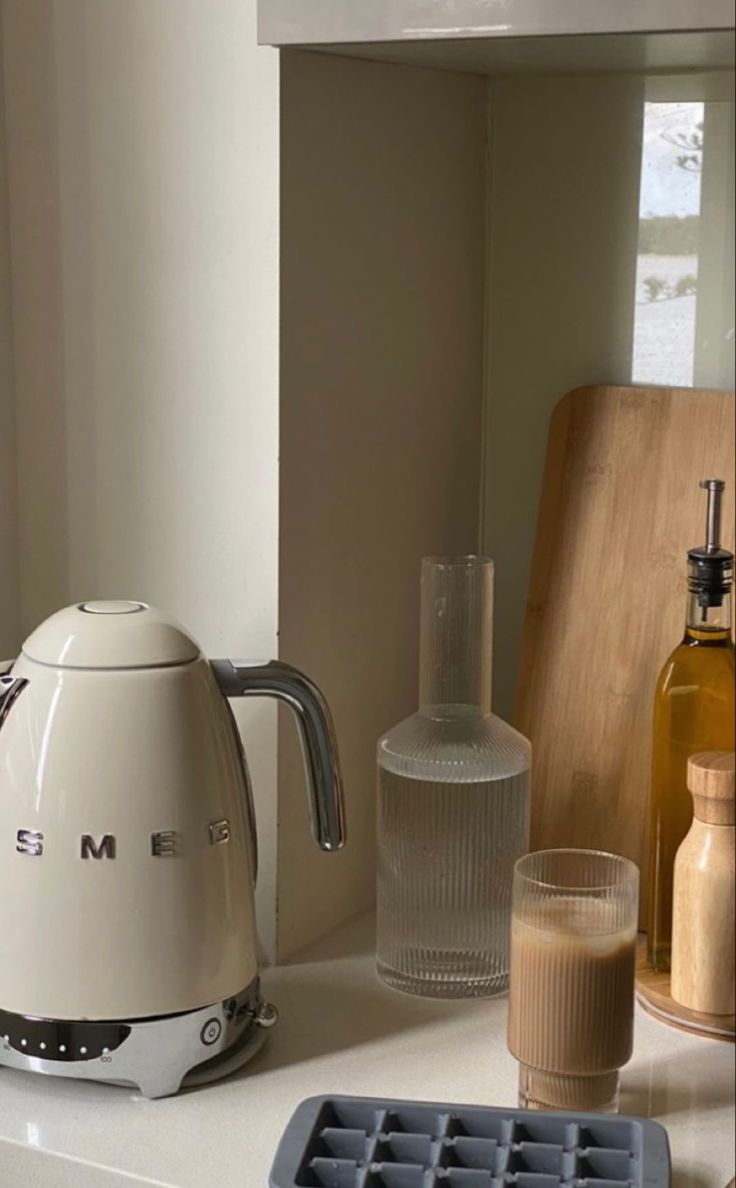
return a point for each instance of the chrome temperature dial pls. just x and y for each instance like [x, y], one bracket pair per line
[52, 1039]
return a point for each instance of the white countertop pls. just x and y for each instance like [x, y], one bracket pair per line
[340, 1031]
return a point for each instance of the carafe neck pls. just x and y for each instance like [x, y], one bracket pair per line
[456, 637]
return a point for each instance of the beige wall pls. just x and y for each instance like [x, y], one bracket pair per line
[9, 605]
[381, 392]
[143, 184]
[563, 211]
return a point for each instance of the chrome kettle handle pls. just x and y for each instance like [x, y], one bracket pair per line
[244, 678]
[10, 688]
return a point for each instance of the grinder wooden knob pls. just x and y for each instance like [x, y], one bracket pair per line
[704, 906]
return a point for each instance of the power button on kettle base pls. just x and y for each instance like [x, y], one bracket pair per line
[211, 1032]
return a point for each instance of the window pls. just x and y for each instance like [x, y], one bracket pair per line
[684, 300]
[667, 259]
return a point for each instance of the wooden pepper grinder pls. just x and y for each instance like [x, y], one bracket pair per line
[704, 913]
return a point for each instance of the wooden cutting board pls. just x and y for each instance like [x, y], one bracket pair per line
[620, 507]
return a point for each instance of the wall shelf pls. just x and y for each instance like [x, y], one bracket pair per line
[513, 37]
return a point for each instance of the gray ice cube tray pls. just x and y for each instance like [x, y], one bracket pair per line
[364, 1142]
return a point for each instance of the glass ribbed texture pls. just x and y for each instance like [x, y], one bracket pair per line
[571, 1010]
[453, 804]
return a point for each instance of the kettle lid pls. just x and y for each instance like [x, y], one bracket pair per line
[110, 635]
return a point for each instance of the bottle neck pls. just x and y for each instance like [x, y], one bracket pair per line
[709, 582]
[708, 622]
[456, 637]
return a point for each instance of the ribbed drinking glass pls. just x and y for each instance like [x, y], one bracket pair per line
[571, 1009]
[453, 803]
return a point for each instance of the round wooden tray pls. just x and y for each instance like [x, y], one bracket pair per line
[653, 994]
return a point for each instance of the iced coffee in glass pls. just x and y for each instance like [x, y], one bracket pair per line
[571, 1009]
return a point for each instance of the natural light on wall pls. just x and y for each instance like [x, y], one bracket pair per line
[667, 261]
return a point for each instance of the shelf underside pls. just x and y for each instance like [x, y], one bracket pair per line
[500, 57]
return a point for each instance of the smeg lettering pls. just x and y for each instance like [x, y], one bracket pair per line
[163, 843]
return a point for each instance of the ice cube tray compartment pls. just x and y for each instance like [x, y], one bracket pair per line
[403, 1148]
[343, 1142]
[464, 1151]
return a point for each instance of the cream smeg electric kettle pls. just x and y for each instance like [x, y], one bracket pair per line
[128, 849]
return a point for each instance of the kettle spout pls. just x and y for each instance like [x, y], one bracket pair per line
[10, 689]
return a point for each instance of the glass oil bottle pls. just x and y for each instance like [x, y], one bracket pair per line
[693, 711]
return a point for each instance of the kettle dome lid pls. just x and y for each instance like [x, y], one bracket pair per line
[110, 635]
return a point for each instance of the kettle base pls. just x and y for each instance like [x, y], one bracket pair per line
[159, 1056]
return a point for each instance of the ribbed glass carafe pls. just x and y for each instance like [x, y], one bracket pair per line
[453, 803]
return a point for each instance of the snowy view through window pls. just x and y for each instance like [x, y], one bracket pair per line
[667, 262]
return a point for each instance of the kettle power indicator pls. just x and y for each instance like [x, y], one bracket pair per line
[163, 842]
